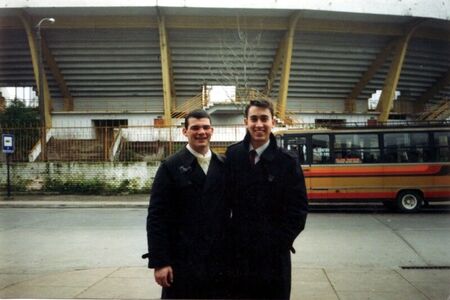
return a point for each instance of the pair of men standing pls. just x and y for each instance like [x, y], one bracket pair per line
[224, 228]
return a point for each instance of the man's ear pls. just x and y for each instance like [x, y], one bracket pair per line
[245, 121]
[184, 131]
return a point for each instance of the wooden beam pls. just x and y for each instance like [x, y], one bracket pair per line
[275, 67]
[439, 30]
[380, 59]
[285, 74]
[59, 78]
[440, 84]
[165, 68]
[25, 19]
[391, 81]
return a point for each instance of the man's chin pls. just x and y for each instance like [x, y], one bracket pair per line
[259, 138]
[201, 145]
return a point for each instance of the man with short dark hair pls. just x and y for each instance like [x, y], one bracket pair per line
[187, 216]
[268, 200]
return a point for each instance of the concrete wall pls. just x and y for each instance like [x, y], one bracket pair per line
[75, 119]
[35, 176]
[228, 119]
[228, 127]
[222, 134]
[84, 119]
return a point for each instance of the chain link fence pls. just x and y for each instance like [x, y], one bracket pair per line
[96, 159]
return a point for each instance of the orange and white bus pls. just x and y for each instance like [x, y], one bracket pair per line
[404, 165]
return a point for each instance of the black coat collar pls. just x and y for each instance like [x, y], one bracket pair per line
[187, 160]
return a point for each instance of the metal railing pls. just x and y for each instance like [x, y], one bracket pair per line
[140, 143]
[121, 144]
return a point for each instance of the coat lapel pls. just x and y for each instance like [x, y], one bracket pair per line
[265, 163]
[207, 184]
[191, 168]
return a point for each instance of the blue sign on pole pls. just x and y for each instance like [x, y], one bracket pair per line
[8, 143]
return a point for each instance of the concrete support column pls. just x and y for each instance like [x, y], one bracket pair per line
[440, 84]
[275, 67]
[57, 75]
[350, 102]
[165, 68]
[284, 83]
[34, 51]
[391, 81]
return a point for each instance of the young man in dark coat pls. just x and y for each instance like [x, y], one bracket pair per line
[269, 208]
[187, 216]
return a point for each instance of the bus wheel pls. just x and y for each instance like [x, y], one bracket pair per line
[409, 201]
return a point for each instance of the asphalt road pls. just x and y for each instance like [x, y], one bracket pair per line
[38, 240]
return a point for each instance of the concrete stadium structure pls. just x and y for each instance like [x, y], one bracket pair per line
[147, 59]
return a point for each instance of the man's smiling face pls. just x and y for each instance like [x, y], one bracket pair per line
[199, 132]
[259, 123]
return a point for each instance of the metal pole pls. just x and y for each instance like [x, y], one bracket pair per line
[8, 160]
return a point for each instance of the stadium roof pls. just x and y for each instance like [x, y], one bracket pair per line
[107, 53]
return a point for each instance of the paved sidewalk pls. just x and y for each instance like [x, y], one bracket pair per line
[74, 201]
[307, 284]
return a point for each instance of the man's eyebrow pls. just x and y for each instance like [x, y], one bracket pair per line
[200, 126]
[257, 116]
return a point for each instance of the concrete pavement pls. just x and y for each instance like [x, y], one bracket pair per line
[339, 256]
[307, 284]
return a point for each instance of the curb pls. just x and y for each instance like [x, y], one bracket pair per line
[62, 204]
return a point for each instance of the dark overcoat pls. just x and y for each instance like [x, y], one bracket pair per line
[186, 223]
[269, 208]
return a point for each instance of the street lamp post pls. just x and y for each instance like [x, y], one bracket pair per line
[41, 87]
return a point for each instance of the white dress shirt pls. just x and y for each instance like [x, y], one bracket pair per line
[259, 151]
[203, 160]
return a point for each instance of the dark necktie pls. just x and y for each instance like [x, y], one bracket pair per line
[252, 157]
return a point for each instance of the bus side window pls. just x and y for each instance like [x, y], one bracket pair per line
[442, 144]
[390, 154]
[302, 154]
[368, 157]
[415, 155]
[321, 149]
[297, 146]
[404, 156]
[419, 141]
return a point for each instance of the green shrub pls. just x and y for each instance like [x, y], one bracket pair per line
[76, 186]
[94, 186]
